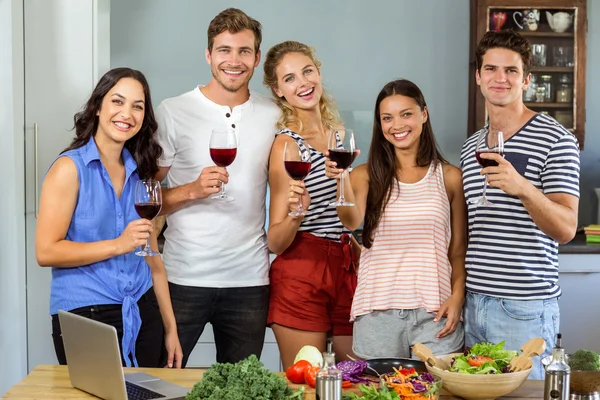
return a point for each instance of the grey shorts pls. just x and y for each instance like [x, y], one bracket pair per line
[392, 333]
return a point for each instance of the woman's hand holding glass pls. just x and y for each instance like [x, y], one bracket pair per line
[136, 234]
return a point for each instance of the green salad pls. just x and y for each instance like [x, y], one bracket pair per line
[483, 358]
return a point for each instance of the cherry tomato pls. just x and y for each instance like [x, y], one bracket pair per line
[478, 361]
[346, 384]
[295, 373]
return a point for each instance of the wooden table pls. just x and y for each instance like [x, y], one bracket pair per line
[52, 382]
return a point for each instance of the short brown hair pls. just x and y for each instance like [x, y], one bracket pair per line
[507, 39]
[234, 21]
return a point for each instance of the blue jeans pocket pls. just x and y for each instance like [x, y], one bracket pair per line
[523, 310]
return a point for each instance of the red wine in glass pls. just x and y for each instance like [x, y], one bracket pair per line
[297, 170]
[296, 160]
[484, 162]
[223, 150]
[343, 158]
[342, 149]
[147, 210]
[488, 142]
[147, 203]
[223, 157]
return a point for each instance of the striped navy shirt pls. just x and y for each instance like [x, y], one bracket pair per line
[508, 256]
[322, 219]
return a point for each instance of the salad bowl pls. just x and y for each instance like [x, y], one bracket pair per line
[478, 386]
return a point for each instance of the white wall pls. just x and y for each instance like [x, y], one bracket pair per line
[12, 202]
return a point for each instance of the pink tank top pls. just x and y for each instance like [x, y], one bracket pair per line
[408, 267]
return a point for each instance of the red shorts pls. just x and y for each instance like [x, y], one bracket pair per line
[312, 285]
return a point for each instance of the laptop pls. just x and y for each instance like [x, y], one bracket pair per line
[94, 363]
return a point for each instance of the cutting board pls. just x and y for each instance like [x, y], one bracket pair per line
[309, 393]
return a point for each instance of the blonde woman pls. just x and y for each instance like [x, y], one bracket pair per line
[313, 277]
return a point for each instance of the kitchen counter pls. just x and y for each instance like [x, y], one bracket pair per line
[52, 382]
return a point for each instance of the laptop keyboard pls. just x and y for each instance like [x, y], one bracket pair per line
[135, 392]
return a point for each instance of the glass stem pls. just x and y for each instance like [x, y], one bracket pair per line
[484, 187]
[147, 248]
[342, 199]
[222, 189]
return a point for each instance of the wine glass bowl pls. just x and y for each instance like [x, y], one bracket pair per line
[147, 202]
[223, 150]
[296, 160]
[342, 150]
[488, 142]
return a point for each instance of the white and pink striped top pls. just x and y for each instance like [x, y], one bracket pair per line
[408, 267]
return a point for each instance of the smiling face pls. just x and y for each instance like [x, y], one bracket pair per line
[299, 81]
[501, 77]
[402, 121]
[121, 114]
[233, 59]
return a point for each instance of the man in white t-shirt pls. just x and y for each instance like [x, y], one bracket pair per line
[215, 252]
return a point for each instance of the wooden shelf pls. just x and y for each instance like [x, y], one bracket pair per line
[549, 105]
[552, 69]
[547, 34]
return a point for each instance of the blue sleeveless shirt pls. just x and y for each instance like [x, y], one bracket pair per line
[100, 215]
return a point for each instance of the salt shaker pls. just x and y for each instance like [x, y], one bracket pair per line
[558, 373]
[329, 378]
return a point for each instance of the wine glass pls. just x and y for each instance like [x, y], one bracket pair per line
[342, 150]
[223, 149]
[488, 142]
[148, 202]
[296, 159]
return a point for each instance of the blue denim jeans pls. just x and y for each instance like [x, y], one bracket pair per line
[493, 319]
[238, 317]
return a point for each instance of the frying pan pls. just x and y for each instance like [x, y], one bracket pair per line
[385, 365]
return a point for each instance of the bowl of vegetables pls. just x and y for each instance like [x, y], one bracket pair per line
[402, 384]
[481, 372]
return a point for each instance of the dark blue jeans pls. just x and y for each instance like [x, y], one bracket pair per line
[238, 317]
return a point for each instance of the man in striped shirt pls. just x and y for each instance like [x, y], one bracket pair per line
[512, 253]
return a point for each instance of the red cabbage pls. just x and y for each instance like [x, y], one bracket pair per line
[352, 370]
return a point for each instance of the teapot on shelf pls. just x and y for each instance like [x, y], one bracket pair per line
[560, 21]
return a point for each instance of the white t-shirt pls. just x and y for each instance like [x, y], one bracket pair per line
[211, 243]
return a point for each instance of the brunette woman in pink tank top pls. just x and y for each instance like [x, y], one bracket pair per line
[411, 280]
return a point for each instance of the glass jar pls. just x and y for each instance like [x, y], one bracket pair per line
[546, 82]
[540, 94]
[565, 118]
[564, 93]
[530, 92]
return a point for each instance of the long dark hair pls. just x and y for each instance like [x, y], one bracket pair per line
[143, 146]
[383, 164]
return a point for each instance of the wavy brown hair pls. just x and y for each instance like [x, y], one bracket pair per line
[330, 117]
[143, 146]
[383, 163]
[233, 20]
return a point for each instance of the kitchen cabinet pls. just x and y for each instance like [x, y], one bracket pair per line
[557, 31]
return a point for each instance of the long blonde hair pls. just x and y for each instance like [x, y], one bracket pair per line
[330, 117]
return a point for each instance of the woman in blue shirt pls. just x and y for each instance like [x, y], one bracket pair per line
[88, 228]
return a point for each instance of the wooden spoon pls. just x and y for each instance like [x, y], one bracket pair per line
[532, 348]
[425, 354]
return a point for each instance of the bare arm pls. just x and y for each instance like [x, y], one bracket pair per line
[555, 214]
[57, 205]
[285, 194]
[207, 183]
[452, 308]
[356, 189]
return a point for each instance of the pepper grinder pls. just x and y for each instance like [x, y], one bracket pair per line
[558, 373]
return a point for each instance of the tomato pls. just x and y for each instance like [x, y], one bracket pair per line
[295, 373]
[408, 372]
[346, 384]
[310, 376]
[478, 361]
